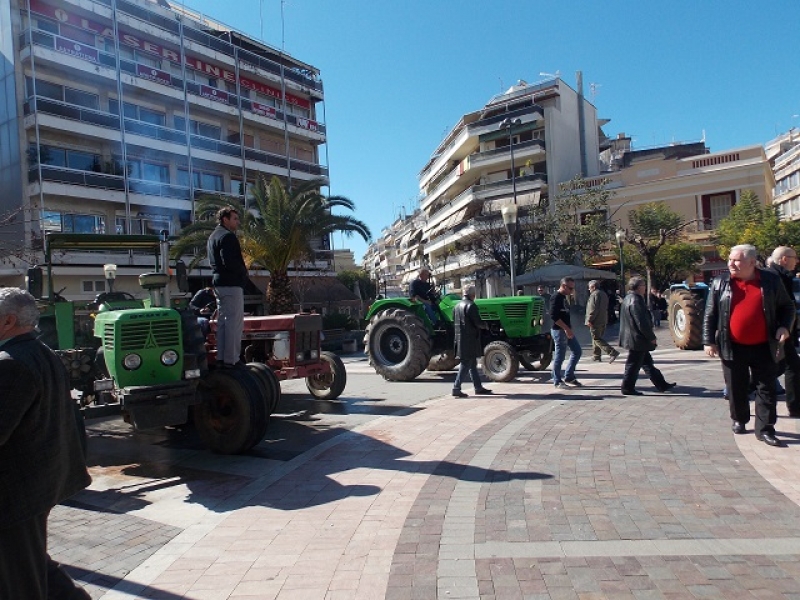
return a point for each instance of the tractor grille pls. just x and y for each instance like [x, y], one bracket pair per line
[135, 336]
[306, 340]
[516, 311]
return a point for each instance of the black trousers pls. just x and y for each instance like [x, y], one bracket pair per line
[27, 571]
[791, 366]
[641, 359]
[755, 361]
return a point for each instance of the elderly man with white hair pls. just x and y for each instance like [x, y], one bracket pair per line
[468, 347]
[41, 459]
[784, 265]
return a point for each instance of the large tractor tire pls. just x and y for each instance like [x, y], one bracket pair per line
[233, 412]
[194, 342]
[328, 386]
[398, 345]
[685, 314]
[268, 375]
[445, 361]
[500, 361]
[535, 361]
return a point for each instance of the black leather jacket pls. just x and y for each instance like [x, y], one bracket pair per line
[779, 312]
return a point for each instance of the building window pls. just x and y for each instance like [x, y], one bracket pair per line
[203, 180]
[199, 128]
[98, 285]
[54, 91]
[138, 113]
[72, 223]
[716, 207]
[148, 171]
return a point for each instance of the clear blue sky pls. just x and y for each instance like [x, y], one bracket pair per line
[399, 74]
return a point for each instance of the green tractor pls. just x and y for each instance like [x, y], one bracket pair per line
[145, 359]
[402, 342]
[685, 308]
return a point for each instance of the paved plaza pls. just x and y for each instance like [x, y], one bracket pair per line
[532, 493]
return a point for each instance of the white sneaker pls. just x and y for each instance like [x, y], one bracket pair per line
[561, 386]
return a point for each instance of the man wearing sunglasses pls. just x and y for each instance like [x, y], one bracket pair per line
[563, 336]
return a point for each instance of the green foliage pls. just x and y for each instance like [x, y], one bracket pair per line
[276, 230]
[339, 321]
[654, 235]
[574, 229]
[365, 284]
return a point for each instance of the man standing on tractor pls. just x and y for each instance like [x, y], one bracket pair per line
[468, 347]
[422, 291]
[230, 278]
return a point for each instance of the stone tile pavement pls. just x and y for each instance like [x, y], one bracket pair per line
[533, 493]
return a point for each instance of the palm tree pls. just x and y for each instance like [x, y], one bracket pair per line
[276, 230]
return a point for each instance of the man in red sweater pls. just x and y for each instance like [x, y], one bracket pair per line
[747, 320]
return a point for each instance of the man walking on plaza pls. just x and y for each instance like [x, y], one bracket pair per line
[468, 324]
[230, 279]
[637, 335]
[41, 460]
[747, 322]
[784, 264]
[596, 321]
[563, 336]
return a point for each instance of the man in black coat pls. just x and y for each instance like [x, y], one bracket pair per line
[746, 324]
[637, 336]
[468, 324]
[230, 279]
[784, 264]
[41, 460]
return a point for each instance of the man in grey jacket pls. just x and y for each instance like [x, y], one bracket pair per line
[41, 460]
[468, 324]
[596, 321]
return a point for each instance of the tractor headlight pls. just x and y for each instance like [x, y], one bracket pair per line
[132, 362]
[314, 354]
[299, 356]
[169, 358]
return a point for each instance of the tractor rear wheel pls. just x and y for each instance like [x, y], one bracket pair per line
[268, 375]
[535, 361]
[445, 361]
[233, 411]
[328, 386]
[685, 313]
[500, 361]
[398, 344]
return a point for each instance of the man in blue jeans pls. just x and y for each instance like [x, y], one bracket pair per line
[563, 336]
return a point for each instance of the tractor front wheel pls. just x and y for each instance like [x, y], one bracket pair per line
[328, 386]
[535, 361]
[500, 361]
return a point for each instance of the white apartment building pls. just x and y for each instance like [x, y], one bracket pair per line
[526, 140]
[119, 114]
[784, 154]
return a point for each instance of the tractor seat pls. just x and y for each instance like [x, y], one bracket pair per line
[153, 281]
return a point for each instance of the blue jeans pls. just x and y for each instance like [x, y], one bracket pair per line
[431, 312]
[468, 365]
[561, 343]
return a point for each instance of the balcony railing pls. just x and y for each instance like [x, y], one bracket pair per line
[480, 157]
[47, 40]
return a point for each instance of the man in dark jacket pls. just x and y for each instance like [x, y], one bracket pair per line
[747, 321]
[41, 460]
[230, 278]
[468, 324]
[636, 334]
[596, 321]
[784, 264]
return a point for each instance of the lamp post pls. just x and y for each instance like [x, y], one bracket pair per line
[620, 235]
[110, 272]
[510, 221]
[510, 124]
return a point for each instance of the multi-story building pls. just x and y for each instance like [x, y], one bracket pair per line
[784, 155]
[700, 185]
[396, 252]
[514, 149]
[119, 114]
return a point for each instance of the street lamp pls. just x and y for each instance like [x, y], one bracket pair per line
[620, 235]
[509, 123]
[510, 221]
[110, 272]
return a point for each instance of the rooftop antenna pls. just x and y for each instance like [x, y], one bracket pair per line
[593, 90]
[261, 17]
[500, 79]
[283, 28]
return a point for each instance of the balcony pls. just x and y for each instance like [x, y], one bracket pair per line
[500, 155]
